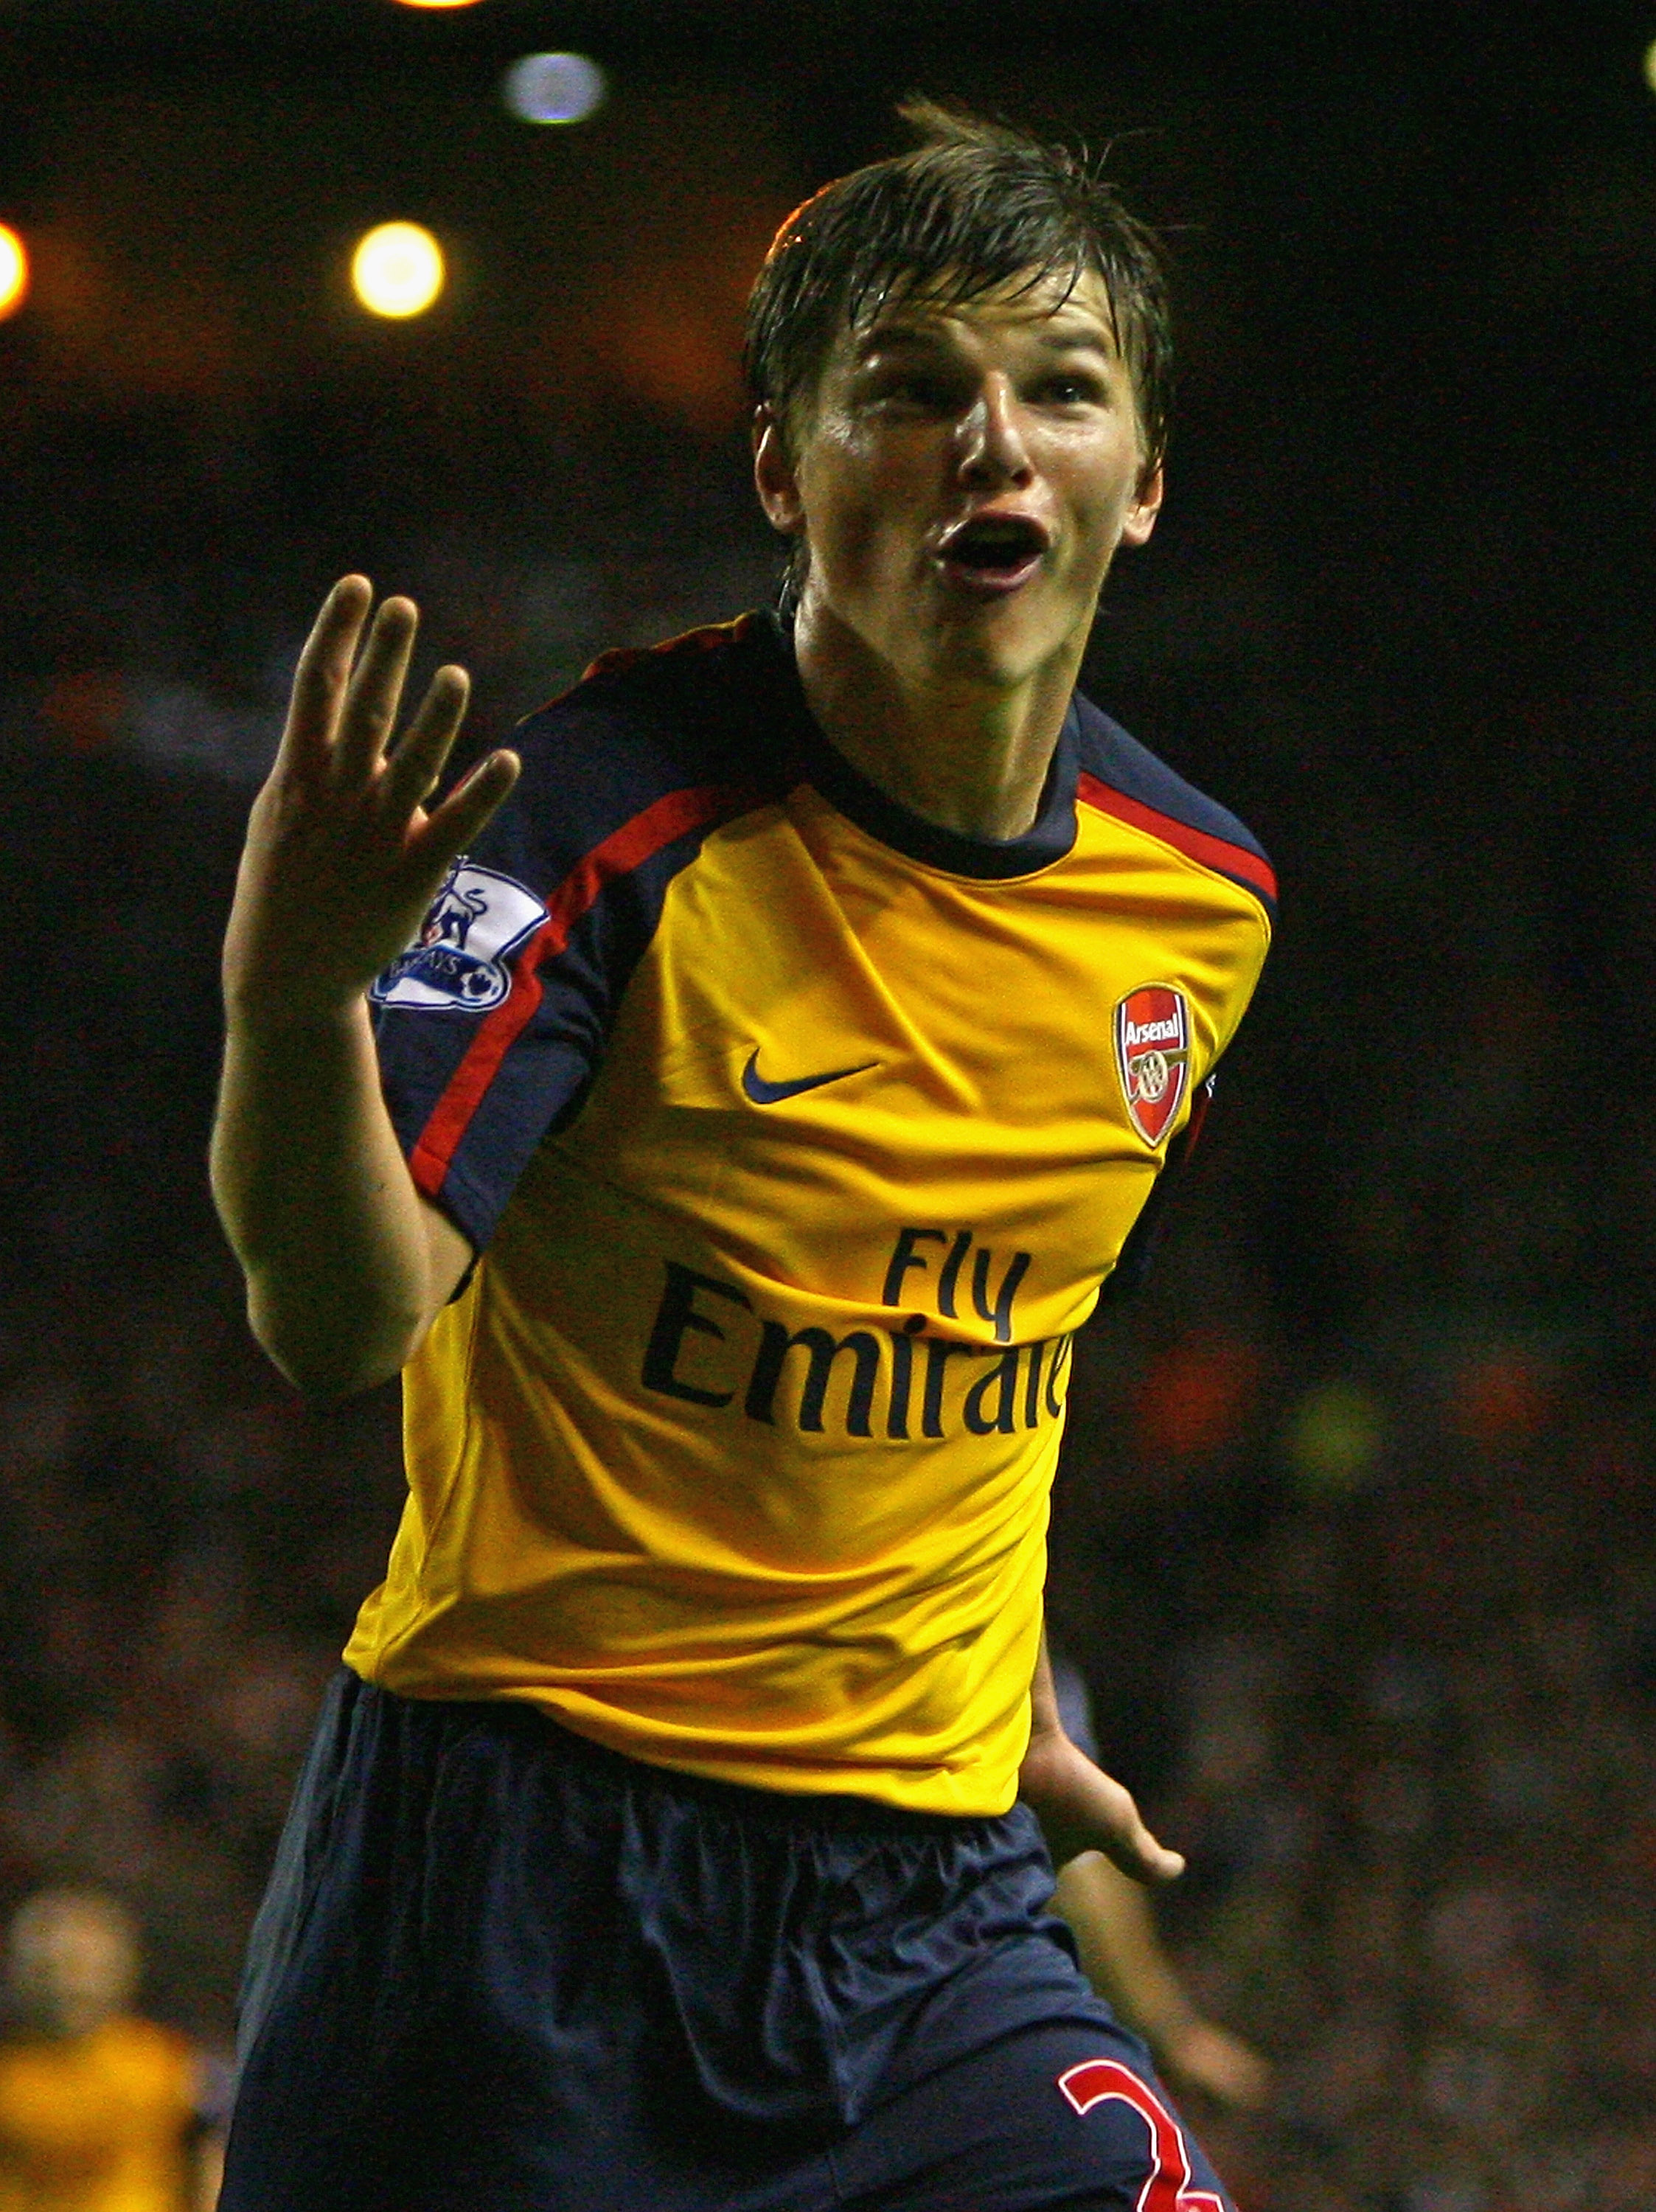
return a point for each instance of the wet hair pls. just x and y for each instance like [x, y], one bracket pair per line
[976, 207]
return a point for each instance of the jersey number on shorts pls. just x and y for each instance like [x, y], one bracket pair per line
[1095, 2082]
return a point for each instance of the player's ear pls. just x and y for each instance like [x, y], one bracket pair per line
[773, 475]
[1140, 519]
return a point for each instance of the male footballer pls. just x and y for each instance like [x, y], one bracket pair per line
[723, 1110]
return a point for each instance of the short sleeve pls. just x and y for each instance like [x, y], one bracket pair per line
[491, 1026]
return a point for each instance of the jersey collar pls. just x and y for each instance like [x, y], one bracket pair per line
[1048, 837]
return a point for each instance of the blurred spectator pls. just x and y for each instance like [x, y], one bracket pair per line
[101, 2111]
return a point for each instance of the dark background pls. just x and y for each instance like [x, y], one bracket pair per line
[1353, 1538]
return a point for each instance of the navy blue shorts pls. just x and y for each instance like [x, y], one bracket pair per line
[499, 1969]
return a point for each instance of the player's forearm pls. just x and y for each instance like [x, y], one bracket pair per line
[318, 1201]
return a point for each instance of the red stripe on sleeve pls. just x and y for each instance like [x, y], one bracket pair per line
[1216, 853]
[622, 851]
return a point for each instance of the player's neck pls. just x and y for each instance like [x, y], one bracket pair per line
[970, 757]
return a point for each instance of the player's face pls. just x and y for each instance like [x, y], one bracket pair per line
[963, 480]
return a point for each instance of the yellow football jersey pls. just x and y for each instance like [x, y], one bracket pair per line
[798, 1135]
[96, 2123]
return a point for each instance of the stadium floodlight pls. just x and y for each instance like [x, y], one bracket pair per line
[554, 87]
[14, 271]
[397, 269]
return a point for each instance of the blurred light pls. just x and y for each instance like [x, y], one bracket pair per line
[14, 271]
[1500, 1398]
[1333, 1440]
[1194, 1397]
[397, 269]
[554, 87]
[84, 709]
[1650, 65]
[438, 4]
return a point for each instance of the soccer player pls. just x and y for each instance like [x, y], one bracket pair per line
[100, 2110]
[723, 1110]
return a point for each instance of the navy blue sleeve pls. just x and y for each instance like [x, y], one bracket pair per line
[493, 1023]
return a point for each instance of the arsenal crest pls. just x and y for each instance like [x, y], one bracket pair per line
[1152, 1055]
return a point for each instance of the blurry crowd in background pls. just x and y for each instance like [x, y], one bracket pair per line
[1353, 1539]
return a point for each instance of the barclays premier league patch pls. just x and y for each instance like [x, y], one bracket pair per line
[461, 960]
[1152, 1057]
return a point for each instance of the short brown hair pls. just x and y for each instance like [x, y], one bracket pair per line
[976, 206]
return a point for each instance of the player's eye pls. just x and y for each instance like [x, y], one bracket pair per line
[1071, 389]
[920, 388]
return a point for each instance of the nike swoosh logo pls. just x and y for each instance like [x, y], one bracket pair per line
[761, 1093]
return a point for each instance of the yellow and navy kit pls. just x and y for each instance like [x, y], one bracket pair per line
[798, 1135]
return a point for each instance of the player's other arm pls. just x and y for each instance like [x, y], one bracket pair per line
[1122, 1957]
[346, 1263]
[1080, 1807]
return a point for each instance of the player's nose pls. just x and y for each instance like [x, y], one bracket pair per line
[990, 441]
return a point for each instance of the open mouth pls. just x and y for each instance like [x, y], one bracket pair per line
[994, 548]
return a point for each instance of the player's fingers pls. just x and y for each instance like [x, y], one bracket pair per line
[468, 807]
[1223, 2066]
[1136, 1853]
[412, 773]
[370, 708]
[323, 671]
[1131, 1845]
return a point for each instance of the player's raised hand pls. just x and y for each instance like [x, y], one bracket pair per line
[341, 859]
[1081, 1808]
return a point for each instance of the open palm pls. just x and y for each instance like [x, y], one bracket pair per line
[342, 859]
